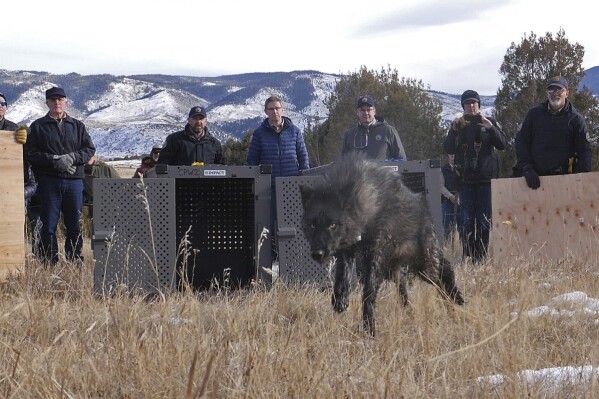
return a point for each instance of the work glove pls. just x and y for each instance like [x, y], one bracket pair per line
[532, 178]
[72, 169]
[62, 162]
[21, 134]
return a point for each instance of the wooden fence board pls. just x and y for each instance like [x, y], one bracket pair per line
[558, 220]
[12, 212]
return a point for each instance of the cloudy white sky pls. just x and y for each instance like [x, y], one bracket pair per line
[451, 45]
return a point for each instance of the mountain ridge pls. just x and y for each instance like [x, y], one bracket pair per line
[126, 115]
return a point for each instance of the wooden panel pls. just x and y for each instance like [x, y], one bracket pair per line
[559, 219]
[12, 207]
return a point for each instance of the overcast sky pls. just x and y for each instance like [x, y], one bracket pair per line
[450, 45]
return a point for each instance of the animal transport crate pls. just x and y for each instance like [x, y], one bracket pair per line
[190, 225]
[296, 266]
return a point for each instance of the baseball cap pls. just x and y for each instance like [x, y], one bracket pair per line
[365, 100]
[55, 92]
[559, 81]
[197, 110]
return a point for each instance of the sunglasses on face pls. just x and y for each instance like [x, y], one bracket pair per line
[555, 91]
[3, 103]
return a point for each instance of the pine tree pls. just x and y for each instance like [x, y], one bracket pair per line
[402, 102]
[525, 69]
[235, 151]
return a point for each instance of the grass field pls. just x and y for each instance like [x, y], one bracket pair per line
[61, 340]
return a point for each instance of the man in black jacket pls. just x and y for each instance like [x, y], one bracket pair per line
[193, 144]
[57, 148]
[553, 139]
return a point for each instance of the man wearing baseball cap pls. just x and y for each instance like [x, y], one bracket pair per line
[372, 135]
[192, 144]
[553, 139]
[58, 147]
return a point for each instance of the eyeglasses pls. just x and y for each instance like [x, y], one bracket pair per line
[274, 108]
[3, 103]
[555, 91]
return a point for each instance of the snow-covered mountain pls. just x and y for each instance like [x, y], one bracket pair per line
[126, 115]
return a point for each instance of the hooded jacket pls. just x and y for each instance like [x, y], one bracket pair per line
[379, 141]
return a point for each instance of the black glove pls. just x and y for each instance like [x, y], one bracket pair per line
[532, 178]
[62, 162]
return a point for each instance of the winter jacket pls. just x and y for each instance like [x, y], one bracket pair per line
[547, 141]
[379, 141]
[45, 140]
[183, 148]
[5, 124]
[449, 182]
[285, 151]
[474, 147]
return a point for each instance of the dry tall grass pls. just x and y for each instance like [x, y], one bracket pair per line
[60, 340]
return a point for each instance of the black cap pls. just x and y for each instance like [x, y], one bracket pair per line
[197, 110]
[559, 81]
[55, 92]
[365, 100]
[470, 95]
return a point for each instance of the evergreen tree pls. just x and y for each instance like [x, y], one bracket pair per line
[235, 151]
[525, 70]
[402, 102]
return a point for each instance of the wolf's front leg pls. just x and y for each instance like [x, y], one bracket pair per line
[370, 286]
[341, 288]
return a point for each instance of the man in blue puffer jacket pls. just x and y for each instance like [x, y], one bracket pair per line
[278, 142]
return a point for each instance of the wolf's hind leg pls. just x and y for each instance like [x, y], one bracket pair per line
[448, 282]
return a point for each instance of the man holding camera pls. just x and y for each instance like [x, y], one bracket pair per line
[473, 139]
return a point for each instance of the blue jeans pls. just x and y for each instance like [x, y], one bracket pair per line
[57, 194]
[452, 217]
[475, 201]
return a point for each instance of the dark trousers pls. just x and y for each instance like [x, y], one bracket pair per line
[60, 195]
[475, 201]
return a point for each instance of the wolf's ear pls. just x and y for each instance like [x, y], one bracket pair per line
[306, 192]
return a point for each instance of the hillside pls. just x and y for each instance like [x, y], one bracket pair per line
[126, 115]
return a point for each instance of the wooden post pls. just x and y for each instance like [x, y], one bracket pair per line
[558, 220]
[12, 206]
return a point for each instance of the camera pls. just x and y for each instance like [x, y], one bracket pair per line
[474, 118]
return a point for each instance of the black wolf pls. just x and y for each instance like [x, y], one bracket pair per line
[362, 213]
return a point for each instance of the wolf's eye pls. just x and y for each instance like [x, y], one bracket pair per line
[332, 226]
